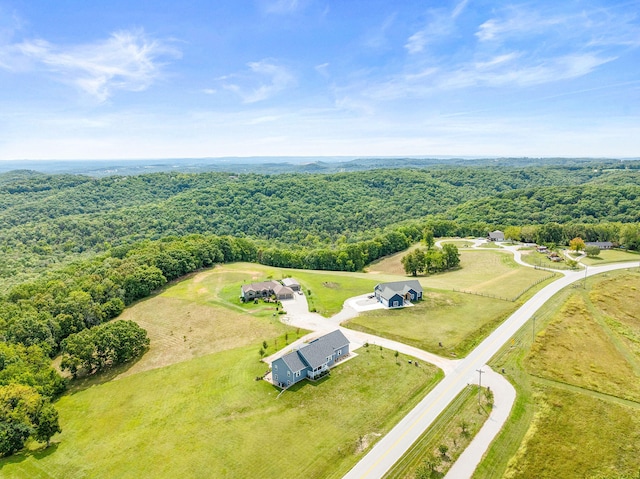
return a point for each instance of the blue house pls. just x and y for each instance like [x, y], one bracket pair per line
[398, 293]
[311, 361]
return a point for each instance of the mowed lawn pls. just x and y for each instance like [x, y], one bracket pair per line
[578, 408]
[612, 256]
[459, 321]
[209, 417]
[486, 271]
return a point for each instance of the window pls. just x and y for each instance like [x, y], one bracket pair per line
[288, 373]
[275, 366]
[275, 377]
[297, 374]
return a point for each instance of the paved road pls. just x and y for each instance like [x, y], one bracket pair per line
[391, 447]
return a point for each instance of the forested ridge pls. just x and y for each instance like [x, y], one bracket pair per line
[48, 219]
[75, 250]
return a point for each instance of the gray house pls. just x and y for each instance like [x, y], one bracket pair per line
[311, 361]
[496, 235]
[600, 244]
[399, 293]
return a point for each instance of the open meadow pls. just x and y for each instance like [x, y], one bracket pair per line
[191, 406]
[612, 256]
[577, 413]
[457, 320]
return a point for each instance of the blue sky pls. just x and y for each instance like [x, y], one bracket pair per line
[158, 79]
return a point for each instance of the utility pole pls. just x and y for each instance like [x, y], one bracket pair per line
[480, 371]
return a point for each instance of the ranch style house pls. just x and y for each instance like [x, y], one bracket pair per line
[266, 289]
[399, 293]
[496, 235]
[312, 361]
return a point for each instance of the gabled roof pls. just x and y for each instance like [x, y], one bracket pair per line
[290, 282]
[315, 353]
[278, 289]
[294, 362]
[268, 285]
[496, 234]
[388, 290]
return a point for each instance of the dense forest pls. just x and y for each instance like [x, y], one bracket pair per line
[51, 219]
[76, 250]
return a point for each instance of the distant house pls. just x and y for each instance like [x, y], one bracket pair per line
[312, 361]
[399, 293]
[291, 283]
[265, 289]
[600, 244]
[542, 249]
[496, 235]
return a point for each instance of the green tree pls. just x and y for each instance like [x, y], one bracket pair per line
[427, 237]
[577, 244]
[450, 255]
[592, 251]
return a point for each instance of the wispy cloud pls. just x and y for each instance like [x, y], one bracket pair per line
[283, 6]
[441, 24]
[264, 79]
[127, 60]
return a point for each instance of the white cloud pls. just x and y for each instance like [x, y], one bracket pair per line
[283, 6]
[270, 77]
[128, 60]
[440, 25]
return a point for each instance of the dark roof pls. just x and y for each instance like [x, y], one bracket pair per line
[388, 290]
[600, 244]
[316, 352]
[293, 361]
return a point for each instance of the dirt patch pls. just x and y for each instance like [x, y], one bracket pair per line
[365, 441]
[331, 285]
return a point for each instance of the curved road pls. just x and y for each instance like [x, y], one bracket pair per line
[391, 447]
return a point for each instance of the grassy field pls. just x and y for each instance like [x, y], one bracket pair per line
[538, 259]
[446, 430]
[481, 271]
[577, 413]
[612, 256]
[208, 417]
[459, 321]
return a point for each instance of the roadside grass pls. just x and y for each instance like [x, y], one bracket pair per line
[572, 424]
[576, 435]
[459, 321]
[446, 430]
[612, 256]
[617, 301]
[574, 349]
[208, 417]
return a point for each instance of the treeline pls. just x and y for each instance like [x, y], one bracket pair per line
[50, 219]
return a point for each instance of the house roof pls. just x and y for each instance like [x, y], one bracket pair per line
[278, 289]
[290, 282]
[293, 361]
[259, 286]
[600, 244]
[497, 234]
[315, 353]
[388, 290]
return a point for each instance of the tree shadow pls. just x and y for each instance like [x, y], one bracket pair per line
[87, 381]
[39, 453]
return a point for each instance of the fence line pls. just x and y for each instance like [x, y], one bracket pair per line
[502, 298]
